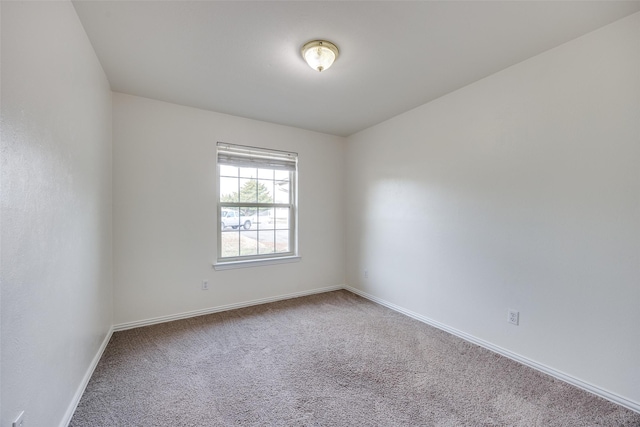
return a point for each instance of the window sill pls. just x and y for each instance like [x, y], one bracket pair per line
[255, 262]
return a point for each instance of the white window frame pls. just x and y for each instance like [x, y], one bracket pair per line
[247, 156]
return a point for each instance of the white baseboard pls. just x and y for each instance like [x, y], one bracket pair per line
[85, 380]
[622, 401]
[194, 313]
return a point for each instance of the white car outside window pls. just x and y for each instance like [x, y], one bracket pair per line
[231, 218]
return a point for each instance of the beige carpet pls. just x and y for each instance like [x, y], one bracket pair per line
[332, 359]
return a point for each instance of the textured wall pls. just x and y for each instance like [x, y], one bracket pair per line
[165, 210]
[519, 191]
[56, 209]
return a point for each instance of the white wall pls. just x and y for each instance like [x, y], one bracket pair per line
[56, 210]
[519, 191]
[165, 210]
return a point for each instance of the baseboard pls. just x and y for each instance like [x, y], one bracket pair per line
[85, 380]
[605, 394]
[194, 313]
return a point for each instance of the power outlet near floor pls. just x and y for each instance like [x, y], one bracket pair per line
[366, 274]
[205, 285]
[513, 317]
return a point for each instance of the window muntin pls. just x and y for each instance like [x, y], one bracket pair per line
[256, 203]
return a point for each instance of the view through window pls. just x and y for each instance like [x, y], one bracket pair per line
[256, 206]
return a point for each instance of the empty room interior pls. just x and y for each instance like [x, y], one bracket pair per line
[320, 213]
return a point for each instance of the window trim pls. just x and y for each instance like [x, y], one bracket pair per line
[230, 265]
[259, 259]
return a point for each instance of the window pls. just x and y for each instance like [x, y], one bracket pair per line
[256, 204]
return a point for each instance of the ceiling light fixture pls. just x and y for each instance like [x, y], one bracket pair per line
[320, 54]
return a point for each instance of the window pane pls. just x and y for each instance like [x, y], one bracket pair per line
[228, 170]
[282, 192]
[265, 219]
[230, 244]
[248, 190]
[265, 191]
[248, 243]
[229, 218]
[282, 218]
[266, 242]
[248, 173]
[282, 175]
[229, 189]
[247, 217]
[265, 173]
[282, 241]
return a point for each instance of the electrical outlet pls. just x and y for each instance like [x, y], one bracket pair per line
[205, 285]
[366, 274]
[513, 317]
[19, 422]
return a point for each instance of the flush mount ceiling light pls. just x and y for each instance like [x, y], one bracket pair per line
[320, 54]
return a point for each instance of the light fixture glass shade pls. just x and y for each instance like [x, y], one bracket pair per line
[320, 54]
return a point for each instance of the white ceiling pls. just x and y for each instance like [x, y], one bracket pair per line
[243, 58]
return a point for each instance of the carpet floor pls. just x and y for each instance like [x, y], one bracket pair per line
[332, 359]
